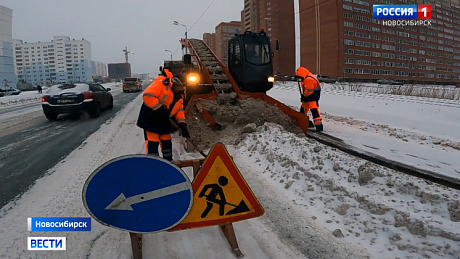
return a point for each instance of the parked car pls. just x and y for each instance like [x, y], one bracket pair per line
[132, 84]
[387, 81]
[76, 98]
[326, 79]
[12, 91]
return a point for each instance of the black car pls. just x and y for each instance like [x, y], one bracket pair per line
[75, 98]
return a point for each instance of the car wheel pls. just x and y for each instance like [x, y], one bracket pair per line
[110, 104]
[95, 110]
[51, 116]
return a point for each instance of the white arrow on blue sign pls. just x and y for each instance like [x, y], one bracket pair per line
[138, 193]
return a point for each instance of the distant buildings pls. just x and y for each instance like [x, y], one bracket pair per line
[61, 60]
[8, 78]
[119, 71]
[224, 32]
[99, 69]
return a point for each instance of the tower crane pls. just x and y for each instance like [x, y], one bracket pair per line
[126, 53]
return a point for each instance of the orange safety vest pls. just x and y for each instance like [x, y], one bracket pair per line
[310, 84]
[156, 95]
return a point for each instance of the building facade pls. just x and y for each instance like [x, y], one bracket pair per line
[276, 17]
[340, 39]
[224, 32]
[60, 61]
[8, 77]
[210, 40]
[99, 69]
[119, 71]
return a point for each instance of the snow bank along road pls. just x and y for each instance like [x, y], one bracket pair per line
[30, 144]
[319, 203]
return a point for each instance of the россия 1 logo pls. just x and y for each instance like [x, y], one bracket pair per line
[403, 15]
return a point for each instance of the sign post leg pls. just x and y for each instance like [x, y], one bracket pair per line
[136, 244]
[229, 233]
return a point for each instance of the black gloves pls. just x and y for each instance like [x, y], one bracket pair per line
[163, 112]
[184, 130]
[304, 99]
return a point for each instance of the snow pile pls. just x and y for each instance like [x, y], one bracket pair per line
[235, 115]
[389, 213]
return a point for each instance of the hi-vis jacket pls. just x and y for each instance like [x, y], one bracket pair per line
[158, 94]
[310, 84]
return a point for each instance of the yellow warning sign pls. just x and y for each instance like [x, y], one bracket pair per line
[221, 195]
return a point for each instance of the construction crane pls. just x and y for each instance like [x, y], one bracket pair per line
[126, 53]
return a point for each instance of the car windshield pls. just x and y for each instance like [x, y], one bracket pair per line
[130, 79]
[68, 88]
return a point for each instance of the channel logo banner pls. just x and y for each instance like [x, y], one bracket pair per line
[59, 224]
[394, 11]
[46, 243]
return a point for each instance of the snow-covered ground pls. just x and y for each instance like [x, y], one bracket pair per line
[28, 97]
[319, 203]
[424, 132]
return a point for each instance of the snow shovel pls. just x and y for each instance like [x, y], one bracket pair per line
[186, 140]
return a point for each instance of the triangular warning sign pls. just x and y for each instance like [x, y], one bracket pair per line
[220, 194]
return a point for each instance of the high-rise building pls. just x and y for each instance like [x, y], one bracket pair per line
[98, 69]
[119, 71]
[341, 39]
[224, 32]
[276, 17]
[8, 78]
[210, 40]
[60, 61]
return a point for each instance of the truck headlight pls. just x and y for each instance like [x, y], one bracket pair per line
[271, 79]
[193, 78]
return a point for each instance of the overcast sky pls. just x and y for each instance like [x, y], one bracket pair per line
[144, 26]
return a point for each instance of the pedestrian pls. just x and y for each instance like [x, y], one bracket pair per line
[162, 102]
[310, 96]
[39, 88]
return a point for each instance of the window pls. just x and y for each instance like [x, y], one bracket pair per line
[349, 51]
[347, 24]
[376, 54]
[348, 61]
[348, 33]
[348, 42]
[347, 7]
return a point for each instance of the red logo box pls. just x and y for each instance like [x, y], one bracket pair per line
[423, 11]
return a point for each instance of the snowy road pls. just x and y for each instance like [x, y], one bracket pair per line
[422, 132]
[30, 144]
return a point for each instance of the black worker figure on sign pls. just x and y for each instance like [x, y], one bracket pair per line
[211, 198]
[216, 190]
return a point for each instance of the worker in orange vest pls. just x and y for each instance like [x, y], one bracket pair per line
[162, 101]
[164, 74]
[311, 92]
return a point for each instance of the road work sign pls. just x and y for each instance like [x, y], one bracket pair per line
[221, 195]
[138, 193]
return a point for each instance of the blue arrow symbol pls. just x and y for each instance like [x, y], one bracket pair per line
[123, 203]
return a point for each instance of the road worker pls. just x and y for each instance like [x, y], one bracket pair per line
[310, 96]
[164, 74]
[162, 102]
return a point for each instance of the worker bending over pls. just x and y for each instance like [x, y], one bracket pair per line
[162, 102]
[310, 96]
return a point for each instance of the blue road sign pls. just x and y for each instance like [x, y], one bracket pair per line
[138, 193]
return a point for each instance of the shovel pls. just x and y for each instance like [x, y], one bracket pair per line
[187, 141]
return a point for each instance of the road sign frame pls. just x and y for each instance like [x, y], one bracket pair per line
[95, 172]
[219, 150]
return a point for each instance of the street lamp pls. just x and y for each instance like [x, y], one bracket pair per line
[180, 24]
[169, 52]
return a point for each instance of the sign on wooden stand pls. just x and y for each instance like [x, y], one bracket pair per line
[147, 194]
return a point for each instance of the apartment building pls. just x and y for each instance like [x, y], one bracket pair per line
[8, 78]
[61, 60]
[224, 32]
[276, 17]
[340, 39]
[210, 40]
[98, 68]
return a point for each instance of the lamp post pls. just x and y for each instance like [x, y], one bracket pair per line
[169, 52]
[186, 31]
